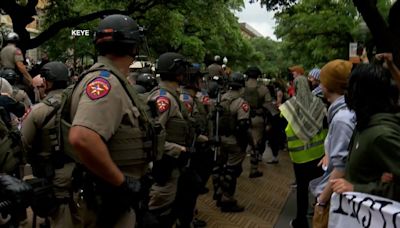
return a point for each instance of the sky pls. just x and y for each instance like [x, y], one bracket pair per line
[258, 18]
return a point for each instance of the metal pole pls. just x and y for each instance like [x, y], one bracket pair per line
[216, 151]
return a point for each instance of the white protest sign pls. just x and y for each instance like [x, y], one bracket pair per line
[353, 209]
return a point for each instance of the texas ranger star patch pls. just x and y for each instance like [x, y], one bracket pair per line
[245, 107]
[188, 106]
[98, 88]
[162, 104]
[206, 100]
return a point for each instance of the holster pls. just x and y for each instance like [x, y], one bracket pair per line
[108, 201]
[162, 169]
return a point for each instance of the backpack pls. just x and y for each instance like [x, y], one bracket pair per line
[252, 96]
[228, 119]
[11, 151]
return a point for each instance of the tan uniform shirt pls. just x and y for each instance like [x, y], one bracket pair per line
[10, 55]
[168, 107]
[31, 126]
[263, 91]
[34, 120]
[21, 96]
[198, 117]
[101, 104]
[5, 87]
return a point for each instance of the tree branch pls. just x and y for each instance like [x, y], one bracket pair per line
[376, 24]
[56, 27]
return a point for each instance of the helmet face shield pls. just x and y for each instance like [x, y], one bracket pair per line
[178, 64]
[127, 37]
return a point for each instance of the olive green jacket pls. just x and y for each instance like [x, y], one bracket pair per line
[373, 151]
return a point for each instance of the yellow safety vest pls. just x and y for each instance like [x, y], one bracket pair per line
[301, 152]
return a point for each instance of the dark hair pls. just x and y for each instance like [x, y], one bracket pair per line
[371, 90]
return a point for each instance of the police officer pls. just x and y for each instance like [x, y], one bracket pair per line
[106, 133]
[215, 69]
[194, 178]
[260, 102]
[234, 125]
[172, 114]
[17, 93]
[39, 138]
[12, 57]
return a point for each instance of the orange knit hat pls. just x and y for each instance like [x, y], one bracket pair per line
[298, 69]
[335, 74]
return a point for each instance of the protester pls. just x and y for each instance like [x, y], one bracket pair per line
[314, 79]
[375, 145]
[334, 77]
[305, 114]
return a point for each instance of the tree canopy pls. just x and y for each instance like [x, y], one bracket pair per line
[316, 31]
[384, 26]
[196, 28]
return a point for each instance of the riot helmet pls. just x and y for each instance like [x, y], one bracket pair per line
[12, 37]
[10, 75]
[253, 72]
[55, 71]
[118, 34]
[236, 81]
[225, 60]
[170, 65]
[147, 80]
[218, 60]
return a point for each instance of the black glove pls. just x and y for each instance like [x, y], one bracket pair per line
[15, 190]
[215, 141]
[127, 194]
[117, 200]
[184, 157]
[162, 169]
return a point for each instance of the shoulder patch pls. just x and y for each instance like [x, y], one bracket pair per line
[163, 92]
[245, 107]
[163, 104]
[104, 73]
[206, 100]
[188, 106]
[185, 97]
[18, 51]
[98, 88]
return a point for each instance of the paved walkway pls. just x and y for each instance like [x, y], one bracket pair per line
[264, 199]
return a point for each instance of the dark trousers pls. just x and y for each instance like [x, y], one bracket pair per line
[276, 136]
[304, 173]
[189, 184]
[203, 162]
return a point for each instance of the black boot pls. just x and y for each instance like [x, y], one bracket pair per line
[256, 174]
[231, 207]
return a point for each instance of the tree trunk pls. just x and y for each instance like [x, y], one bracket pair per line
[386, 37]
